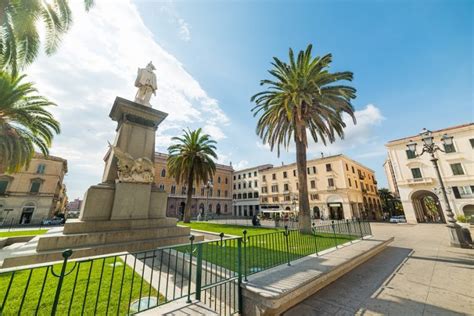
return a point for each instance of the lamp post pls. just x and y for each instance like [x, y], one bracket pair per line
[209, 186]
[430, 147]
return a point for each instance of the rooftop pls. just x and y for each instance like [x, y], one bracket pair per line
[434, 132]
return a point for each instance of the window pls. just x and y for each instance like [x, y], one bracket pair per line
[457, 169]
[314, 169]
[362, 185]
[353, 170]
[328, 167]
[264, 199]
[313, 184]
[465, 191]
[244, 175]
[234, 186]
[255, 173]
[255, 194]
[35, 186]
[331, 182]
[183, 190]
[314, 196]
[255, 183]
[245, 185]
[173, 190]
[234, 178]
[357, 186]
[239, 186]
[218, 179]
[264, 189]
[239, 176]
[416, 173]
[250, 184]
[162, 187]
[294, 173]
[410, 154]
[297, 186]
[308, 170]
[347, 167]
[275, 188]
[226, 193]
[449, 148]
[239, 196]
[244, 195]
[250, 174]
[287, 198]
[202, 191]
[274, 176]
[472, 142]
[285, 175]
[349, 180]
[285, 187]
[234, 196]
[275, 199]
[40, 169]
[264, 178]
[3, 186]
[226, 180]
[218, 193]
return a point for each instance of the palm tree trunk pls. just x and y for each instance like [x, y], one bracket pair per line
[304, 211]
[189, 197]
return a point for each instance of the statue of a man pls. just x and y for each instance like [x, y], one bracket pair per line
[146, 84]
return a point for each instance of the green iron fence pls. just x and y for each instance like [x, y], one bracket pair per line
[123, 284]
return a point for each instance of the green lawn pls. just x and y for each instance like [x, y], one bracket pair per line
[264, 247]
[23, 233]
[91, 295]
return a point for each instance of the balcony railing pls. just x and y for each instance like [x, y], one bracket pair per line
[416, 181]
[332, 188]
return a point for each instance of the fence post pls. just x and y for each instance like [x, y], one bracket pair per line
[360, 227]
[349, 230]
[239, 273]
[66, 255]
[191, 238]
[198, 272]
[287, 233]
[334, 232]
[370, 228]
[245, 254]
[315, 239]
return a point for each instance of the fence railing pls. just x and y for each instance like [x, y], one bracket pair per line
[126, 283]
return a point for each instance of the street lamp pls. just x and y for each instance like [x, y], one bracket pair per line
[430, 147]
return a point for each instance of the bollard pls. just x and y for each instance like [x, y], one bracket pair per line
[191, 238]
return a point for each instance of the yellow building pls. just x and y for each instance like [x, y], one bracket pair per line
[217, 197]
[35, 193]
[338, 188]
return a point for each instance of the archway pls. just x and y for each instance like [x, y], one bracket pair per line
[427, 207]
[469, 211]
[218, 209]
[316, 212]
[334, 203]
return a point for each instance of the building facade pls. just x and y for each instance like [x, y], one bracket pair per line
[214, 199]
[246, 188]
[415, 179]
[338, 188]
[73, 208]
[35, 193]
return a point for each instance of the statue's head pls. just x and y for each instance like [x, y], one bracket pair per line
[150, 66]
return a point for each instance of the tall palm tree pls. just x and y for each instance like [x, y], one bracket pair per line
[25, 123]
[19, 36]
[388, 200]
[303, 97]
[190, 161]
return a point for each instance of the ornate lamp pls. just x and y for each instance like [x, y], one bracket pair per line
[447, 140]
[411, 146]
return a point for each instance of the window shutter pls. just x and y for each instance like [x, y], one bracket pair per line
[456, 192]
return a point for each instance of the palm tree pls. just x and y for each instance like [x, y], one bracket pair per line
[24, 123]
[19, 36]
[303, 97]
[386, 196]
[191, 161]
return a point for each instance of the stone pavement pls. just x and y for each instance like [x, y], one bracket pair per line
[418, 274]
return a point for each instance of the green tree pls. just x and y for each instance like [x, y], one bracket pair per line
[24, 122]
[19, 36]
[387, 197]
[190, 161]
[303, 97]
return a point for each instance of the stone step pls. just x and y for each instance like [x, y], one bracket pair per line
[33, 257]
[77, 226]
[108, 237]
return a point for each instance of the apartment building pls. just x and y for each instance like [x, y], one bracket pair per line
[246, 188]
[414, 178]
[338, 187]
[215, 198]
[35, 193]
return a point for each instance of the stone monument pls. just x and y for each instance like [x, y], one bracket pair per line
[126, 211]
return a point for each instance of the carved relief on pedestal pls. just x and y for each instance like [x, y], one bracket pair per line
[140, 170]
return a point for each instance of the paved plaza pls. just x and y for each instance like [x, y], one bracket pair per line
[419, 274]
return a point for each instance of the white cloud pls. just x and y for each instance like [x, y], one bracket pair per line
[215, 132]
[184, 32]
[242, 164]
[96, 62]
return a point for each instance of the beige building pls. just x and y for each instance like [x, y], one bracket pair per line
[35, 193]
[218, 198]
[338, 188]
[415, 181]
[246, 190]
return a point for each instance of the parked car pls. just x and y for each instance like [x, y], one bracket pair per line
[398, 219]
[53, 221]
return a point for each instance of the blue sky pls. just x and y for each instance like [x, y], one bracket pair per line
[412, 62]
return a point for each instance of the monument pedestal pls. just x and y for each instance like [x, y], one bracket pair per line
[126, 212]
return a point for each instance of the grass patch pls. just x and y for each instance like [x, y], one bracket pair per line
[93, 288]
[23, 233]
[264, 247]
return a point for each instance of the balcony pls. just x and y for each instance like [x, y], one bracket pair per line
[416, 181]
[331, 188]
